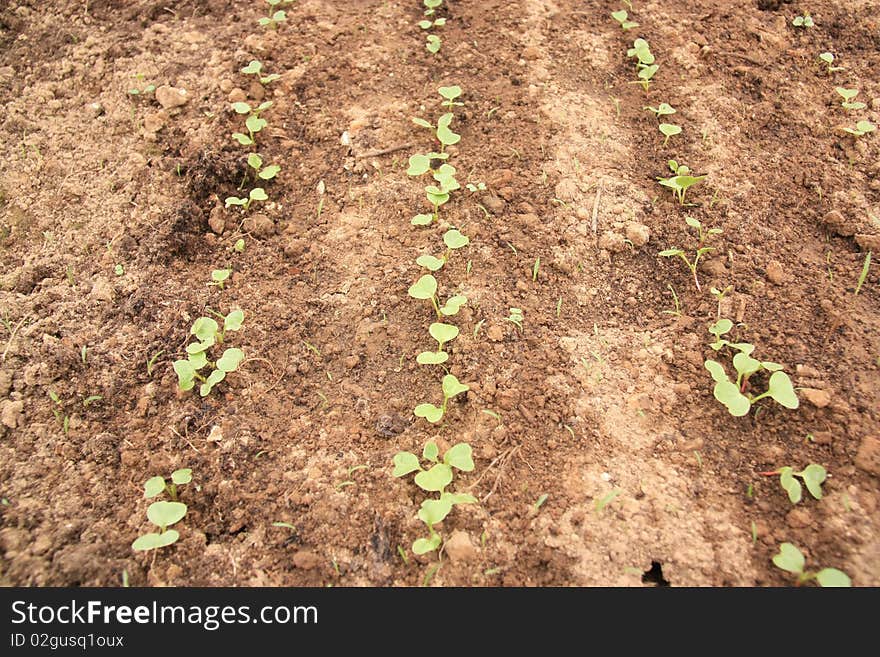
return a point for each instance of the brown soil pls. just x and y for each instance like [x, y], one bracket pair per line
[604, 393]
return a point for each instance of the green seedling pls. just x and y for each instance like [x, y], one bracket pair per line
[862, 128]
[476, 187]
[719, 296]
[803, 21]
[645, 75]
[238, 247]
[163, 514]
[427, 24]
[58, 411]
[681, 181]
[255, 68]
[208, 333]
[275, 17]
[451, 387]
[437, 195]
[450, 94]
[848, 95]
[151, 363]
[119, 270]
[734, 395]
[441, 131]
[791, 560]
[663, 109]
[669, 130]
[866, 266]
[828, 59]
[433, 43]
[622, 17]
[219, 277]
[704, 235]
[675, 301]
[813, 476]
[254, 122]
[435, 480]
[442, 333]
[641, 51]
[516, 318]
[256, 194]
[431, 6]
[141, 90]
[426, 288]
[255, 162]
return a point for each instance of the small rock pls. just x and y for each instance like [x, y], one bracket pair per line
[775, 273]
[256, 90]
[306, 559]
[818, 398]
[95, 109]
[638, 234]
[459, 547]
[583, 213]
[714, 267]
[611, 241]
[170, 97]
[822, 437]
[155, 121]
[868, 242]
[11, 413]
[799, 518]
[495, 333]
[531, 52]
[868, 456]
[216, 435]
[237, 96]
[217, 220]
[226, 85]
[494, 204]
[836, 223]
[259, 225]
[101, 290]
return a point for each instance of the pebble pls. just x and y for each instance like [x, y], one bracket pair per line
[818, 398]
[868, 456]
[11, 413]
[95, 109]
[101, 290]
[611, 241]
[799, 518]
[459, 547]
[259, 225]
[531, 52]
[638, 234]
[836, 222]
[494, 204]
[217, 219]
[495, 333]
[306, 559]
[776, 273]
[237, 96]
[170, 97]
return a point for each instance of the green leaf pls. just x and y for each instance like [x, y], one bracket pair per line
[204, 328]
[422, 220]
[254, 123]
[443, 333]
[254, 161]
[435, 195]
[831, 577]
[270, 78]
[429, 262]
[264, 106]
[460, 456]
[241, 107]
[432, 357]
[670, 253]
[814, 474]
[419, 164]
[782, 391]
[444, 134]
[847, 94]
[165, 514]
[450, 93]
[744, 347]
[424, 288]
[230, 360]
[769, 366]
[233, 320]
[198, 360]
[716, 369]
[791, 485]
[789, 559]
[234, 200]
[220, 275]
[453, 305]
[460, 498]
[404, 463]
[425, 545]
[255, 66]
[721, 327]
[242, 139]
[199, 347]
[425, 25]
[746, 365]
[213, 379]
[728, 394]
[435, 479]
[185, 374]
[430, 412]
[258, 194]
[433, 44]
[430, 451]
[269, 172]
[670, 129]
[154, 541]
[454, 239]
[434, 511]
[619, 16]
[424, 124]
[452, 387]
[154, 486]
[182, 476]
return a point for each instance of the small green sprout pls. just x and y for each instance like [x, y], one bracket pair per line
[803, 21]
[862, 128]
[59, 413]
[163, 514]
[663, 109]
[451, 387]
[442, 333]
[701, 250]
[516, 318]
[734, 395]
[254, 122]
[427, 25]
[219, 277]
[642, 52]
[848, 95]
[828, 59]
[151, 363]
[441, 131]
[813, 476]
[719, 295]
[431, 6]
[238, 247]
[255, 68]
[476, 187]
[119, 270]
[208, 333]
[450, 94]
[669, 130]
[435, 480]
[148, 89]
[622, 17]
[275, 17]
[681, 181]
[601, 502]
[866, 266]
[433, 43]
[255, 162]
[256, 194]
[536, 268]
[791, 560]
[645, 75]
